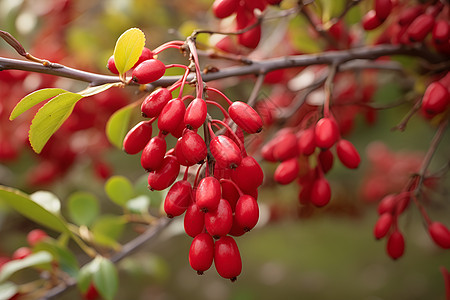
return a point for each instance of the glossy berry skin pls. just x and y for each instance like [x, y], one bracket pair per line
[326, 133]
[435, 100]
[153, 154]
[219, 221]
[227, 258]
[208, 194]
[306, 142]
[36, 236]
[245, 117]
[226, 153]
[395, 245]
[148, 71]
[195, 113]
[190, 148]
[111, 65]
[145, 55]
[383, 9]
[320, 192]
[163, 177]
[420, 27]
[21, 253]
[287, 171]
[440, 234]
[247, 212]
[224, 8]
[171, 116]
[178, 198]
[201, 253]
[347, 154]
[387, 204]
[286, 146]
[382, 225]
[408, 15]
[326, 159]
[370, 20]
[248, 175]
[194, 220]
[155, 102]
[138, 137]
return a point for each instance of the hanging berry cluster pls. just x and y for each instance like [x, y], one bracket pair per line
[222, 200]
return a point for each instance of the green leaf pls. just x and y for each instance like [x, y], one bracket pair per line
[83, 208]
[128, 48]
[66, 259]
[7, 290]
[48, 201]
[139, 204]
[24, 205]
[119, 189]
[107, 230]
[32, 99]
[117, 125]
[85, 276]
[94, 90]
[50, 117]
[34, 259]
[106, 279]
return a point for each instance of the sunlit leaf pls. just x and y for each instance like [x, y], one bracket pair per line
[24, 205]
[34, 259]
[7, 290]
[50, 117]
[106, 279]
[32, 99]
[117, 125]
[139, 204]
[83, 208]
[48, 201]
[128, 49]
[119, 189]
[94, 90]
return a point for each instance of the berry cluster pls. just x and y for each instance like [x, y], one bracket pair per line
[221, 201]
[436, 99]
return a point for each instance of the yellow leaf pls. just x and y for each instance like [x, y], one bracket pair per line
[128, 48]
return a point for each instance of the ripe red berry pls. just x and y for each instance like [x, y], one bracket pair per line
[91, 293]
[190, 148]
[137, 137]
[155, 102]
[226, 153]
[287, 171]
[408, 15]
[21, 253]
[326, 159]
[395, 245]
[440, 234]
[249, 38]
[306, 142]
[148, 71]
[326, 133]
[370, 20]
[111, 65]
[171, 116]
[195, 113]
[145, 55]
[435, 100]
[35, 236]
[286, 146]
[383, 9]
[208, 194]
[347, 154]
[194, 220]
[247, 212]
[387, 204]
[245, 117]
[382, 225]
[320, 192]
[219, 221]
[153, 154]
[420, 27]
[201, 253]
[178, 198]
[163, 177]
[441, 32]
[227, 258]
[230, 193]
[224, 8]
[248, 175]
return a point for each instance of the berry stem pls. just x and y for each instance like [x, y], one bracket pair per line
[241, 146]
[220, 93]
[328, 86]
[224, 112]
[234, 184]
[171, 44]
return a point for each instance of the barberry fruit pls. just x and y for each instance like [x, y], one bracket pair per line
[440, 234]
[155, 102]
[226, 153]
[171, 116]
[227, 258]
[247, 212]
[326, 133]
[208, 194]
[201, 253]
[219, 221]
[195, 114]
[194, 220]
[178, 198]
[245, 117]
[347, 154]
[36, 236]
[165, 175]
[137, 137]
[395, 245]
[153, 154]
[382, 225]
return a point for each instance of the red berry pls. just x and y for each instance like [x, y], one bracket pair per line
[387, 204]
[153, 154]
[148, 71]
[219, 221]
[137, 137]
[347, 154]
[441, 32]
[409, 14]
[163, 177]
[208, 194]
[91, 293]
[224, 8]
[145, 55]
[287, 171]
[395, 245]
[420, 27]
[435, 100]
[383, 9]
[178, 198]
[195, 113]
[226, 153]
[155, 102]
[247, 212]
[21, 253]
[382, 225]
[248, 175]
[326, 133]
[326, 159]
[230, 193]
[440, 234]
[111, 65]
[306, 142]
[245, 117]
[320, 192]
[171, 116]
[286, 146]
[249, 38]
[227, 258]
[190, 148]
[35, 236]
[370, 20]
[201, 253]
[194, 220]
